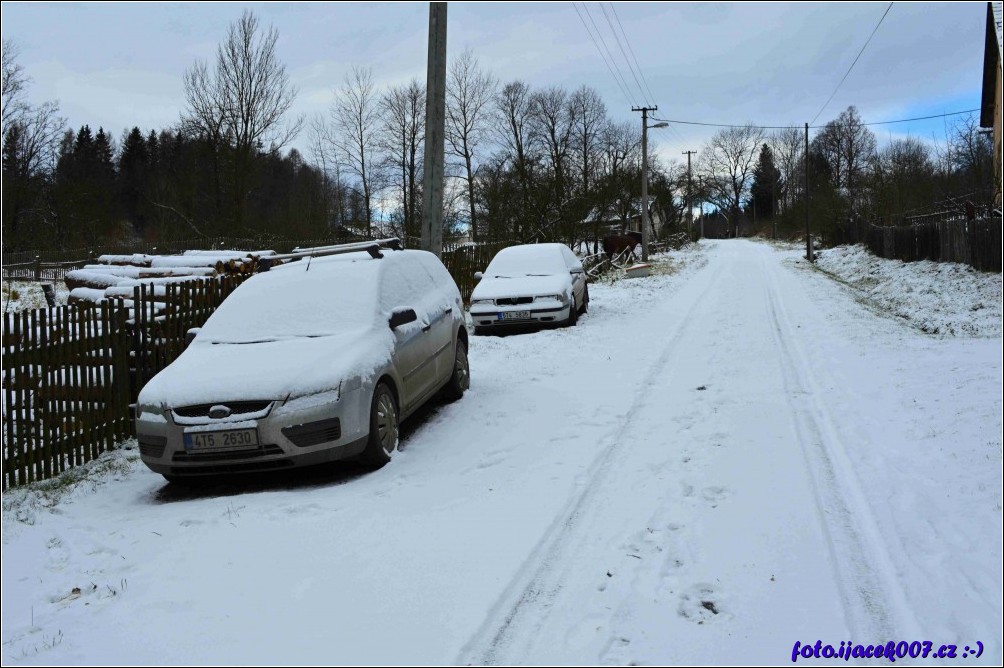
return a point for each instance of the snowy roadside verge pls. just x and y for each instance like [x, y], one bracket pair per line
[942, 298]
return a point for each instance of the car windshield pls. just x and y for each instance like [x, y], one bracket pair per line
[293, 302]
[530, 260]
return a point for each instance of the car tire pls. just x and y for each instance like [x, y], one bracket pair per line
[585, 300]
[573, 314]
[384, 422]
[460, 380]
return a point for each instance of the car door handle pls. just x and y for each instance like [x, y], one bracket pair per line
[427, 327]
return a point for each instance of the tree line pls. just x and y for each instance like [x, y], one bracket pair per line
[523, 163]
[757, 178]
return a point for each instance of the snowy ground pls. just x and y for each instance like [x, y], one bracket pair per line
[945, 298]
[21, 295]
[718, 461]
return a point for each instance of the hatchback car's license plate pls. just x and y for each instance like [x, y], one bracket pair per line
[514, 315]
[222, 440]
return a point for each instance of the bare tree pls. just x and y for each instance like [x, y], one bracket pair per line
[590, 116]
[247, 95]
[241, 103]
[552, 123]
[848, 147]
[402, 139]
[727, 165]
[356, 118]
[469, 91]
[15, 81]
[512, 121]
[788, 145]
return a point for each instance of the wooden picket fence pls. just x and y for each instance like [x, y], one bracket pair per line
[71, 373]
[63, 404]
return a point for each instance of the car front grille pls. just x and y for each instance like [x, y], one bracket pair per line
[314, 433]
[513, 301]
[229, 455]
[236, 408]
[151, 446]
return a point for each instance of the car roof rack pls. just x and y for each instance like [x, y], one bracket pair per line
[373, 247]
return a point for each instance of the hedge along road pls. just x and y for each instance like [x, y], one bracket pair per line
[711, 466]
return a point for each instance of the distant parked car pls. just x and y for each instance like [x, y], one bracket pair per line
[313, 361]
[534, 284]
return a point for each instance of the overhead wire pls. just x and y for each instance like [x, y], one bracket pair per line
[615, 70]
[627, 60]
[631, 50]
[852, 64]
[799, 127]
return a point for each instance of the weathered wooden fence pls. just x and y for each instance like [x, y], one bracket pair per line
[71, 373]
[974, 242]
[63, 399]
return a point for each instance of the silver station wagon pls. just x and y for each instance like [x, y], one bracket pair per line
[313, 361]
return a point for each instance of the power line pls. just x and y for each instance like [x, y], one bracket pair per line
[799, 127]
[623, 53]
[614, 70]
[631, 50]
[852, 64]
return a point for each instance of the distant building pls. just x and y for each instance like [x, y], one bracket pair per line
[990, 109]
[620, 220]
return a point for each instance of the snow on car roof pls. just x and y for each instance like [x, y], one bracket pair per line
[528, 260]
[316, 297]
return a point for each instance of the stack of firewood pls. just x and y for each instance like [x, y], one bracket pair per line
[115, 276]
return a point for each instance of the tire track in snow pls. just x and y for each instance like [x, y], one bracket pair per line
[872, 597]
[526, 601]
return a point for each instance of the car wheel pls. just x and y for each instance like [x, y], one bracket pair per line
[573, 314]
[461, 378]
[382, 441]
[585, 299]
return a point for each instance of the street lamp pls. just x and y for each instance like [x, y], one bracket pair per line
[644, 184]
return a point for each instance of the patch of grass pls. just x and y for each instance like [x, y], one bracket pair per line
[23, 504]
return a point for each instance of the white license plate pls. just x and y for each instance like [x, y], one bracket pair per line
[514, 315]
[222, 440]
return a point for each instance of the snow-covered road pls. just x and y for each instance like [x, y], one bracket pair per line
[714, 464]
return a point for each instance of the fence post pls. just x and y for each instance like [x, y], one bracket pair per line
[38, 268]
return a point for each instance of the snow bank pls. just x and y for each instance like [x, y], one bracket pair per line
[944, 298]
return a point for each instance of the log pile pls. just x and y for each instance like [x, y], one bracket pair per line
[115, 276]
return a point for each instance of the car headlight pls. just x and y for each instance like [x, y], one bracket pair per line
[482, 301]
[550, 298]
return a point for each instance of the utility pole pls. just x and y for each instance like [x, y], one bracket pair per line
[644, 177]
[690, 204]
[435, 128]
[808, 237]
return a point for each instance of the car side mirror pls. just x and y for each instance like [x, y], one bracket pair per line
[402, 317]
[478, 275]
[191, 334]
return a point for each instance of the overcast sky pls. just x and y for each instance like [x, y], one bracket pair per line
[119, 65]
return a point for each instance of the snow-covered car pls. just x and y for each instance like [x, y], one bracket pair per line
[314, 361]
[533, 284]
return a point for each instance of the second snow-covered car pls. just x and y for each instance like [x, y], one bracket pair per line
[533, 284]
[313, 361]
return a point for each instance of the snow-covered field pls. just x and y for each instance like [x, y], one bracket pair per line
[720, 460]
